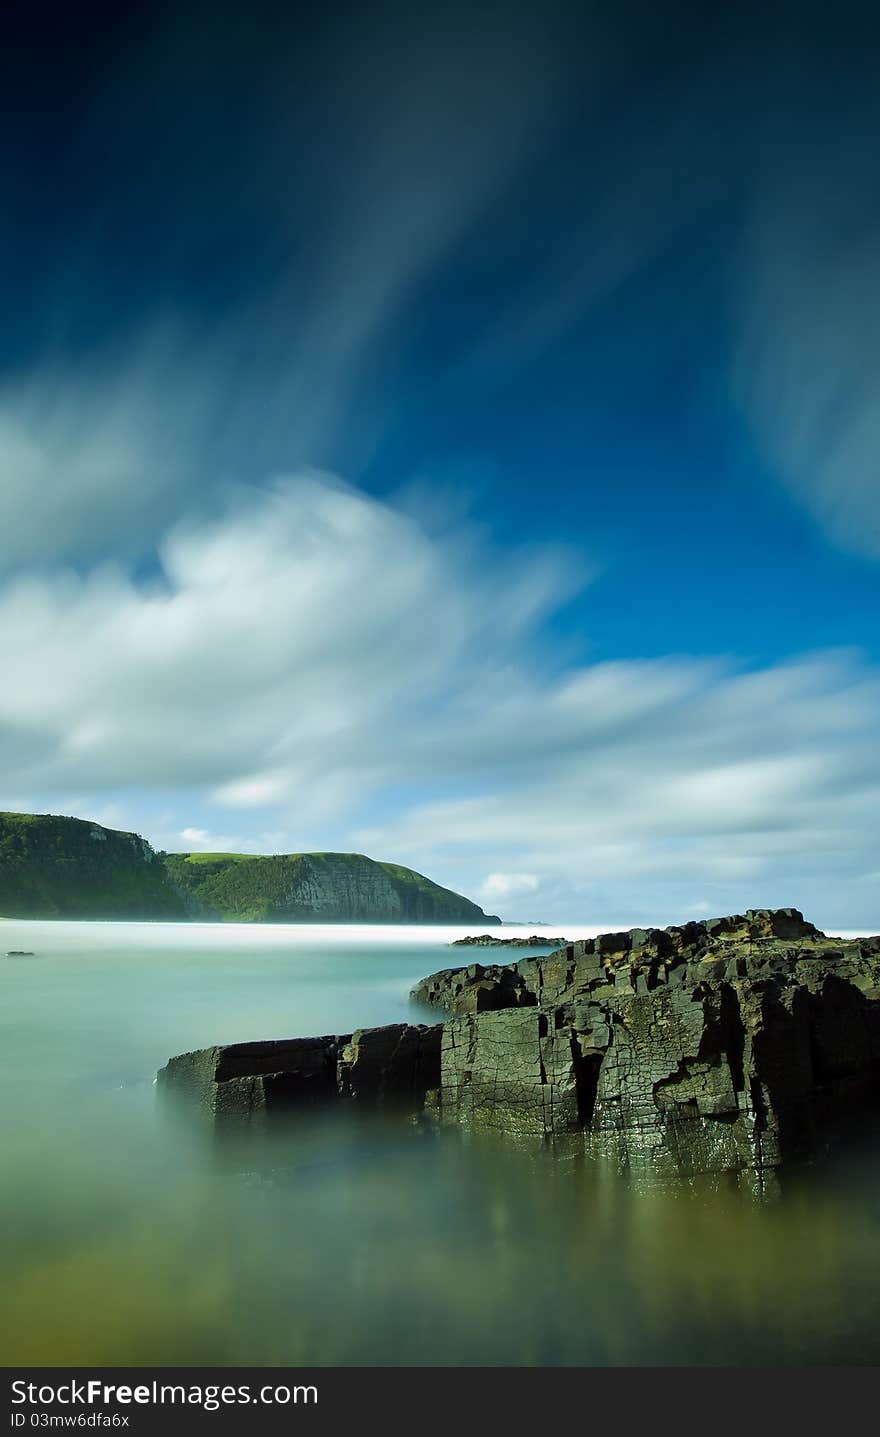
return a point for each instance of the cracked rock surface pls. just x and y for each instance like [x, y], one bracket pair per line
[727, 1046]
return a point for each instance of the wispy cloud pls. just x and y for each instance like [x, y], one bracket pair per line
[299, 659]
[508, 885]
[94, 457]
[314, 656]
[362, 170]
[806, 274]
[745, 785]
[808, 369]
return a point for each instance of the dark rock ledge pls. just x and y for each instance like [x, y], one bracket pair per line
[396, 1066]
[491, 940]
[733, 1046]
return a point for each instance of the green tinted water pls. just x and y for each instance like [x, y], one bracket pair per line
[129, 1236]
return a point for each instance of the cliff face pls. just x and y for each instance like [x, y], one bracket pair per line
[54, 867]
[317, 888]
[67, 868]
[733, 1047]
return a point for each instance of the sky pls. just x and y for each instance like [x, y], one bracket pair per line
[450, 432]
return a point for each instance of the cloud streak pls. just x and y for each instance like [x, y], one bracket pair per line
[313, 658]
[806, 275]
[810, 356]
[298, 663]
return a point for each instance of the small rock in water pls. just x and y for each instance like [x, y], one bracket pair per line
[491, 940]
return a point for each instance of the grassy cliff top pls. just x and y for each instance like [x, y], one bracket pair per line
[328, 887]
[258, 857]
[54, 866]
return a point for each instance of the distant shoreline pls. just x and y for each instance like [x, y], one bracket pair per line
[576, 930]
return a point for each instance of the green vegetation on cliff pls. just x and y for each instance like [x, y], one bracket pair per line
[69, 868]
[54, 867]
[315, 887]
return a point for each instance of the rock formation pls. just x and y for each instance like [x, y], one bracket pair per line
[392, 1066]
[733, 1046]
[491, 940]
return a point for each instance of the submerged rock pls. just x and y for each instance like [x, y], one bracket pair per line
[395, 1065]
[730, 1046]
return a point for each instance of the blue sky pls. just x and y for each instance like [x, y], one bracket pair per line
[451, 432]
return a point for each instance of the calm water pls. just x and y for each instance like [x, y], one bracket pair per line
[126, 1237]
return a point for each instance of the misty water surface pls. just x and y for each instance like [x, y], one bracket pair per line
[129, 1236]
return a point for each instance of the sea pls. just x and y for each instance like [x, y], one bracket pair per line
[132, 1234]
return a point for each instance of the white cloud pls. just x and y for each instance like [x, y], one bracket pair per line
[315, 659]
[508, 885]
[759, 787]
[86, 464]
[282, 654]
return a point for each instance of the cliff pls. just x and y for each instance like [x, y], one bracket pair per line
[54, 867]
[732, 1047]
[316, 888]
